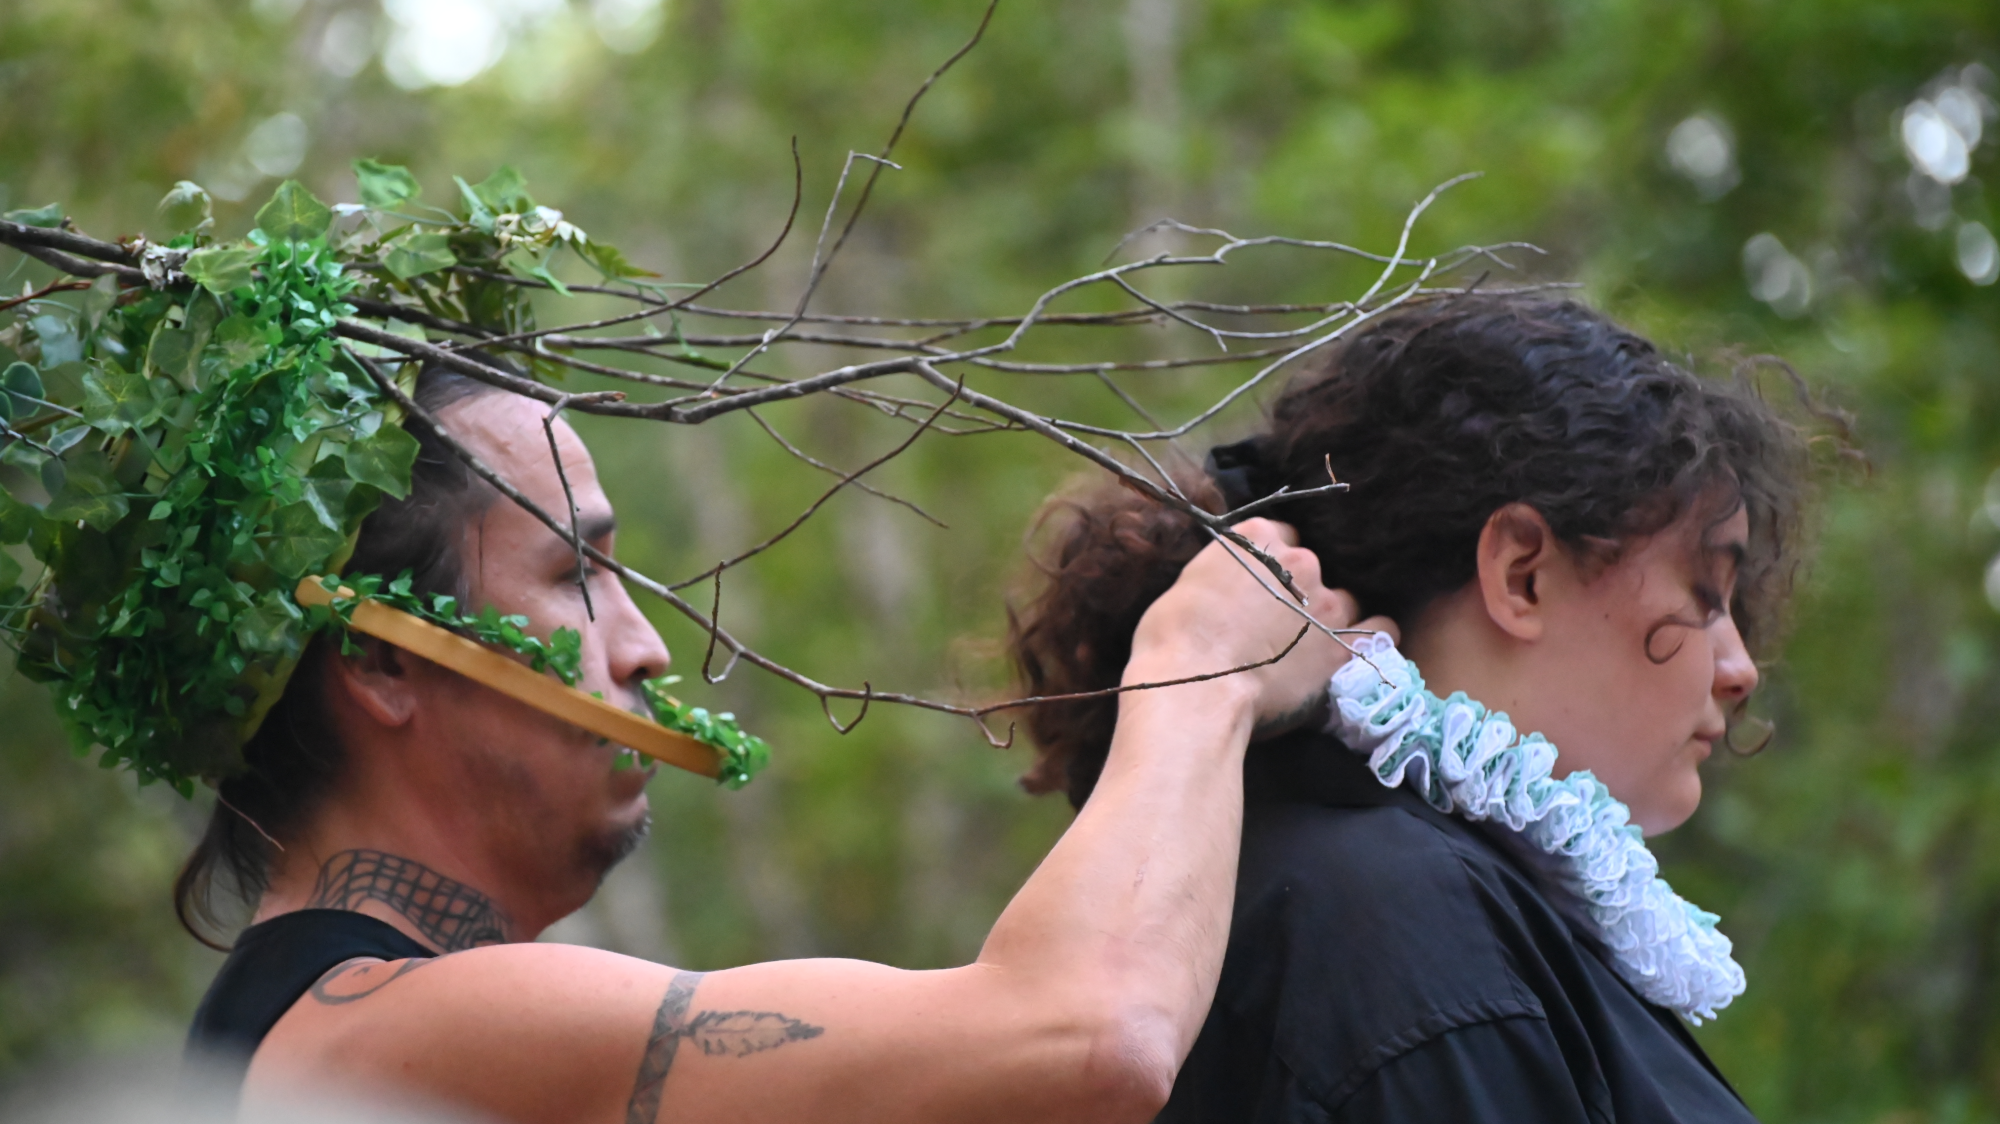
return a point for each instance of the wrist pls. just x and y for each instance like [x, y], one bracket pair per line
[1228, 697]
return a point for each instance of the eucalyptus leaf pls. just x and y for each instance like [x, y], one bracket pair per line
[385, 186]
[66, 440]
[293, 214]
[59, 339]
[416, 254]
[10, 572]
[22, 382]
[222, 269]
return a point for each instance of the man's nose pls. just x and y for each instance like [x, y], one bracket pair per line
[631, 643]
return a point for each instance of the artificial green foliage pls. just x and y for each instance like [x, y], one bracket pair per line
[191, 450]
[561, 653]
[743, 755]
[191, 445]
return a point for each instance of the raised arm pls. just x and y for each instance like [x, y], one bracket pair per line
[1081, 1006]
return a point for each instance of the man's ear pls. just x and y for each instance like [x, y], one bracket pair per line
[376, 680]
[1516, 550]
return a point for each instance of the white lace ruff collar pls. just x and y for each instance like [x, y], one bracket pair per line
[1465, 759]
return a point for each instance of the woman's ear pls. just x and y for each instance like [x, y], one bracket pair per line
[376, 681]
[1516, 550]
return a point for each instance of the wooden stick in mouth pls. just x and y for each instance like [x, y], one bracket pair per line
[518, 681]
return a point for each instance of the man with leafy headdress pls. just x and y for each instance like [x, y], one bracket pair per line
[204, 439]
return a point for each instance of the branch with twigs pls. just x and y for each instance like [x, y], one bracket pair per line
[942, 356]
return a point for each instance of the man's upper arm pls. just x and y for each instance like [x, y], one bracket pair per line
[537, 1032]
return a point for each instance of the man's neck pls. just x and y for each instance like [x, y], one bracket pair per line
[442, 911]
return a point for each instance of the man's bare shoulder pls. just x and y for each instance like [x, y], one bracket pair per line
[507, 1024]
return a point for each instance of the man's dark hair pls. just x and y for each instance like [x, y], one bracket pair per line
[292, 761]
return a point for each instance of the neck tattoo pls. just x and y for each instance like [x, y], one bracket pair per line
[447, 912]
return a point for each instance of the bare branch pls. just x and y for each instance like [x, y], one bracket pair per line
[808, 513]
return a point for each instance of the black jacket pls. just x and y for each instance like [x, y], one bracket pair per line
[1391, 963]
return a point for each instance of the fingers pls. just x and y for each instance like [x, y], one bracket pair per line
[1266, 531]
[1383, 624]
[1334, 608]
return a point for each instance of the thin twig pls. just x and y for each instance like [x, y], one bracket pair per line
[576, 536]
[808, 513]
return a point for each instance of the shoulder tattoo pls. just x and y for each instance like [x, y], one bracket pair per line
[359, 979]
[447, 912]
[733, 1034]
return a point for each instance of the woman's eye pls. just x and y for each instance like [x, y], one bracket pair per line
[1711, 600]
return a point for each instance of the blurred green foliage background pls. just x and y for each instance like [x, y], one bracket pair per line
[1802, 177]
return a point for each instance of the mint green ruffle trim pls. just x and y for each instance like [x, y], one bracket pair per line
[1469, 761]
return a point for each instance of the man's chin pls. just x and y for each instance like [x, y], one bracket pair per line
[613, 845]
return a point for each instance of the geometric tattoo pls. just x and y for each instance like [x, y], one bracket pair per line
[449, 913]
[716, 1033]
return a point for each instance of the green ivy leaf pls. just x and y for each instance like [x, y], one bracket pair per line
[385, 186]
[16, 519]
[240, 342]
[100, 298]
[89, 493]
[300, 541]
[414, 255]
[223, 269]
[186, 207]
[384, 460]
[293, 214]
[115, 401]
[49, 216]
[610, 261]
[477, 213]
[269, 627]
[504, 192]
[326, 492]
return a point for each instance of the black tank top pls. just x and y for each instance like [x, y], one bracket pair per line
[273, 964]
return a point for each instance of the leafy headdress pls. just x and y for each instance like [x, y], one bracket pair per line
[192, 457]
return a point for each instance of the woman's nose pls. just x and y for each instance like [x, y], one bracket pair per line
[1735, 672]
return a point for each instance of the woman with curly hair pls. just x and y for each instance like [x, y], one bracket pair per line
[1437, 917]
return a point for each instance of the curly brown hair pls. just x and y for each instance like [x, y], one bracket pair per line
[1436, 416]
